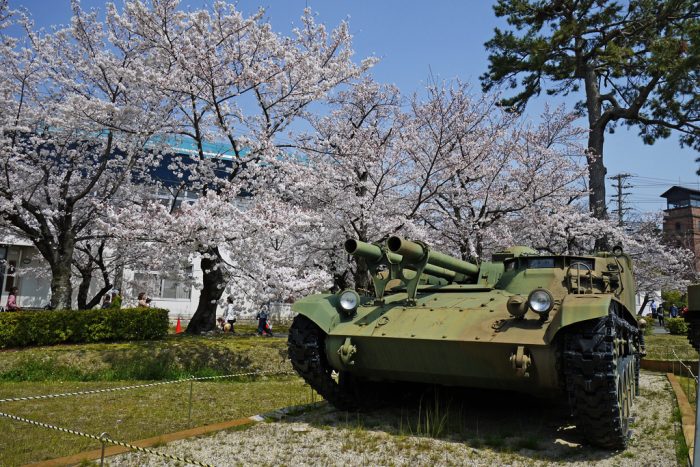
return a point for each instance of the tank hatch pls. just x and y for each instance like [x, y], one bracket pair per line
[513, 252]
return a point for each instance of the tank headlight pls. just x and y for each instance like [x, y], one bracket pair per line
[517, 306]
[349, 301]
[540, 301]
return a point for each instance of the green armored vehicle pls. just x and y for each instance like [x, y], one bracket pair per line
[558, 326]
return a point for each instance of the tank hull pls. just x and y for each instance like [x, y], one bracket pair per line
[445, 362]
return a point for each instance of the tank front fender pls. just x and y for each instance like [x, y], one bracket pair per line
[575, 309]
[322, 309]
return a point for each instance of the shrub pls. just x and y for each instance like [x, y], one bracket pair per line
[25, 328]
[677, 326]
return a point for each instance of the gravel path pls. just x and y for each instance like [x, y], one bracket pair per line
[488, 429]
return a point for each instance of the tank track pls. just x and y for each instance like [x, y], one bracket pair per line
[602, 378]
[306, 348]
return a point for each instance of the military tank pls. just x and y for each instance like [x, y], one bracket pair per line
[554, 326]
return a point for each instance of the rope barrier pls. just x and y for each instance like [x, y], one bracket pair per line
[688, 369]
[148, 385]
[104, 439]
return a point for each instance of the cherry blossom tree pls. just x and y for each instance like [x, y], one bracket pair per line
[449, 168]
[352, 175]
[476, 166]
[73, 131]
[232, 79]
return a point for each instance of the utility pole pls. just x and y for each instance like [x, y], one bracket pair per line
[620, 195]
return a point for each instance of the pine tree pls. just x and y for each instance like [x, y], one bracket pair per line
[637, 61]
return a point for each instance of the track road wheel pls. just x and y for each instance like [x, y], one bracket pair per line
[601, 379]
[306, 347]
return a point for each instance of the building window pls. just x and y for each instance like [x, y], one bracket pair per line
[157, 286]
[678, 226]
[174, 290]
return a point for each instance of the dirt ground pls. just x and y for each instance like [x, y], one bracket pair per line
[465, 428]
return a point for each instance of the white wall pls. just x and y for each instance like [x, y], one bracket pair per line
[31, 277]
[34, 281]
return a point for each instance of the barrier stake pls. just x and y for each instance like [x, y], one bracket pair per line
[189, 411]
[103, 442]
[696, 441]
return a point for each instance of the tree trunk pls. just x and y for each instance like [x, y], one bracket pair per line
[361, 277]
[84, 288]
[596, 138]
[596, 173]
[596, 177]
[213, 283]
[644, 304]
[61, 287]
[596, 167]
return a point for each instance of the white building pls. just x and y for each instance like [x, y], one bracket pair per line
[22, 266]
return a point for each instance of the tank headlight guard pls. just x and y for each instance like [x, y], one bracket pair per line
[349, 301]
[540, 301]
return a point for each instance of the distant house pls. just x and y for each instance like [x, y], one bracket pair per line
[682, 219]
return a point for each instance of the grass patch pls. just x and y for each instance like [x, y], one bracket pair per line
[130, 415]
[145, 412]
[176, 357]
[679, 440]
[663, 346]
[689, 388]
[529, 442]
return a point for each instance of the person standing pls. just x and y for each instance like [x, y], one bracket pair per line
[653, 309]
[117, 299]
[660, 314]
[12, 300]
[262, 317]
[230, 314]
[674, 311]
[106, 301]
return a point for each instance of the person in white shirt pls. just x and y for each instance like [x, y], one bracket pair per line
[230, 313]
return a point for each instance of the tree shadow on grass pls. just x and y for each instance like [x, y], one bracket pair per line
[175, 357]
[160, 363]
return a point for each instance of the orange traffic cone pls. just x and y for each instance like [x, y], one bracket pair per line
[178, 326]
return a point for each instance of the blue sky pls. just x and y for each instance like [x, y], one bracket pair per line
[444, 38]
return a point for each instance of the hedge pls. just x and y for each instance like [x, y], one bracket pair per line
[677, 326]
[25, 328]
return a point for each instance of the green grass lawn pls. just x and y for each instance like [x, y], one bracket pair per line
[130, 415]
[689, 388]
[144, 412]
[175, 357]
[667, 347]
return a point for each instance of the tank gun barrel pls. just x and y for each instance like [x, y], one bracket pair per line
[373, 253]
[366, 250]
[416, 252]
